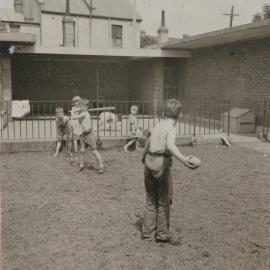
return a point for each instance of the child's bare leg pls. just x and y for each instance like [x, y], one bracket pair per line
[69, 149]
[75, 138]
[82, 154]
[58, 145]
[98, 158]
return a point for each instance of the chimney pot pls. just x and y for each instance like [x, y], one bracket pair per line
[163, 31]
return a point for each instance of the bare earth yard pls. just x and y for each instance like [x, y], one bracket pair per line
[58, 219]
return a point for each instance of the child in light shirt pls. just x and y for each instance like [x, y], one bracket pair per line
[88, 137]
[134, 130]
[76, 127]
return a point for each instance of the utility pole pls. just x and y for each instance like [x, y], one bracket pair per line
[232, 15]
[134, 23]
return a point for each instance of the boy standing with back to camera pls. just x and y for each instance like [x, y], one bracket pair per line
[88, 136]
[157, 159]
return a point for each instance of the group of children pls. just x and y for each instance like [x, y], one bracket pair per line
[78, 127]
[157, 159]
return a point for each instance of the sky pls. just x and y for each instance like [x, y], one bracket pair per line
[189, 16]
[195, 16]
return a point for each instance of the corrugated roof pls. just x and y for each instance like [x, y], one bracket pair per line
[8, 15]
[122, 9]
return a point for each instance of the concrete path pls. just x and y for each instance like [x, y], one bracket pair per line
[249, 141]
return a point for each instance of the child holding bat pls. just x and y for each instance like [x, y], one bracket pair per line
[88, 137]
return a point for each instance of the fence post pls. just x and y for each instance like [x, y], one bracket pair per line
[229, 119]
[194, 120]
[268, 120]
[264, 119]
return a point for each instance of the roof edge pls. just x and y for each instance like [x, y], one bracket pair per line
[217, 33]
[93, 16]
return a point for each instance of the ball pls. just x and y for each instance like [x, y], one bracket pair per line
[195, 161]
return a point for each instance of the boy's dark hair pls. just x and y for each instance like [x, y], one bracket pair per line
[84, 101]
[59, 110]
[172, 108]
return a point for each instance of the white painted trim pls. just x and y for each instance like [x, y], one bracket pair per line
[141, 53]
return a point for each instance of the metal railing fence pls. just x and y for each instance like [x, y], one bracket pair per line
[199, 117]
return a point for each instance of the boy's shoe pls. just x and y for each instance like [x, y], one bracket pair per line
[169, 241]
[147, 239]
[101, 170]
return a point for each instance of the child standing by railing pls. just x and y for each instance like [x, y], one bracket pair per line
[76, 127]
[63, 128]
[134, 130]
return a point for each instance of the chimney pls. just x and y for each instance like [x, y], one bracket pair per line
[163, 31]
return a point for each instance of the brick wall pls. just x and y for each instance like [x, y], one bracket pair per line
[5, 84]
[55, 80]
[147, 82]
[239, 72]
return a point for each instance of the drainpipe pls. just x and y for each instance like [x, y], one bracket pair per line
[41, 5]
[134, 24]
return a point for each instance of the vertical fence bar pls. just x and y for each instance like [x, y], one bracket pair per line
[121, 112]
[143, 113]
[209, 118]
[38, 121]
[8, 110]
[44, 120]
[50, 123]
[115, 119]
[268, 120]
[20, 126]
[2, 121]
[214, 104]
[194, 119]
[14, 127]
[229, 118]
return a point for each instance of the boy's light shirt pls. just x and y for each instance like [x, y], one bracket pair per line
[85, 121]
[160, 134]
[133, 122]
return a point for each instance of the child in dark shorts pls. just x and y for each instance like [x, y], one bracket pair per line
[157, 159]
[63, 128]
[88, 137]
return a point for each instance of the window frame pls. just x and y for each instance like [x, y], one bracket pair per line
[115, 36]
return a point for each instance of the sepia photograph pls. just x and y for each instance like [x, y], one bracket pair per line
[135, 134]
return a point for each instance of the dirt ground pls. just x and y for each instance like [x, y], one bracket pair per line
[58, 219]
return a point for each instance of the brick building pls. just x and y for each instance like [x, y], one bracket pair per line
[231, 64]
[93, 49]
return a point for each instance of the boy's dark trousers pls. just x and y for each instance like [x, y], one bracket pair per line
[158, 198]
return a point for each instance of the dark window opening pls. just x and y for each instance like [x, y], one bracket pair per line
[117, 36]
